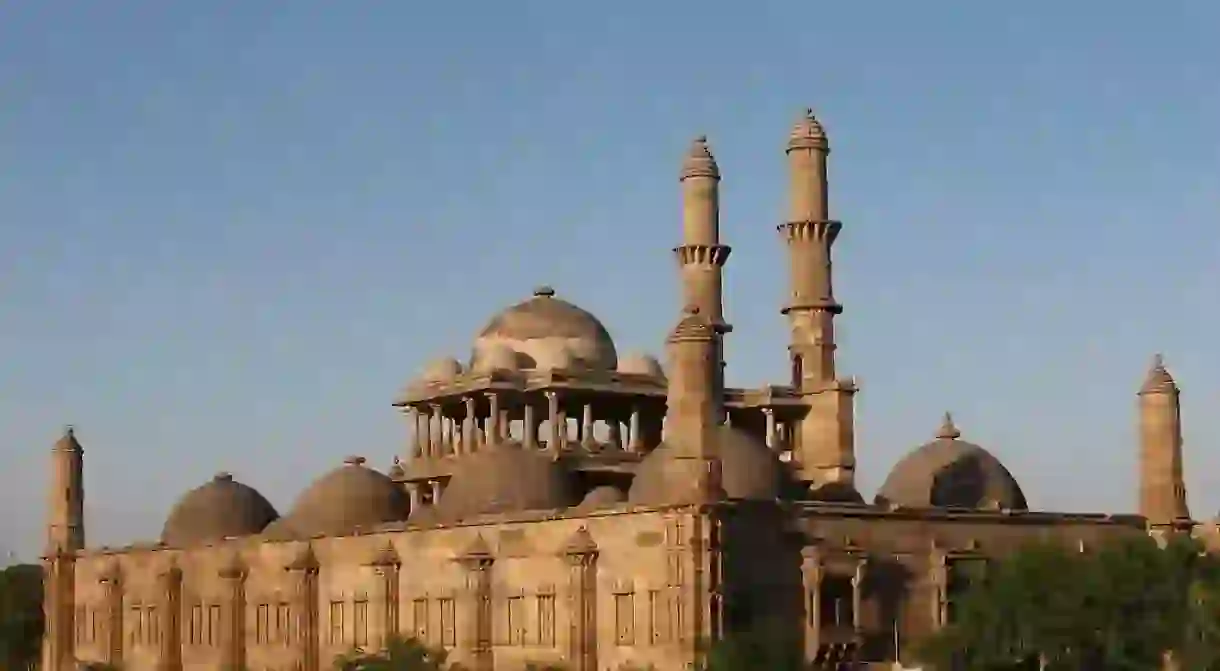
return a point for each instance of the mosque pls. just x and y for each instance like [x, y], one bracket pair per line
[560, 502]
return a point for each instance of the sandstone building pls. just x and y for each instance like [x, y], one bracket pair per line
[559, 501]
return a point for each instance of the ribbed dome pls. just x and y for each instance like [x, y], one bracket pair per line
[440, 370]
[641, 364]
[504, 478]
[601, 497]
[748, 470]
[549, 333]
[216, 510]
[950, 472]
[346, 498]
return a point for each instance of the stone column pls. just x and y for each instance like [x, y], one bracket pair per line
[634, 444]
[304, 636]
[556, 421]
[811, 579]
[413, 495]
[417, 441]
[857, 594]
[477, 561]
[937, 580]
[581, 553]
[233, 629]
[437, 490]
[587, 439]
[112, 589]
[468, 426]
[436, 438]
[59, 610]
[493, 420]
[386, 565]
[529, 427]
[771, 438]
[171, 619]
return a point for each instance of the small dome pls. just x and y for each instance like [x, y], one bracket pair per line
[641, 364]
[346, 498]
[495, 356]
[219, 509]
[549, 333]
[951, 473]
[748, 470]
[441, 370]
[504, 478]
[605, 496]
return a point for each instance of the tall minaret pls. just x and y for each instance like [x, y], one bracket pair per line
[825, 448]
[66, 500]
[1162, 488]
[701, 257]
[694, 405]
[65, 536]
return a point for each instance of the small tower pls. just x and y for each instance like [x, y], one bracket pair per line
[825, 441]
[701, 257]
[1162, 488]
[65, 536]
[66, 499]
[695, 404]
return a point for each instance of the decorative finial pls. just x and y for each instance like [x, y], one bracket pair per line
[1158, 381]
[223, 476]
[354, 460]
[948, 430]
[699, 160]
[69, 431]
[544, 291]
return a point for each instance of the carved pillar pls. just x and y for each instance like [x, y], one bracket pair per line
[615, 434]
[529, 427]
[171, 619]
[477, 561]
[581, 556]
[771, 438]
[556, 421]
[386, 565]
[59, 610]
[436, 422]
[233, 626]
[437, 490]
[413, 495]
[811, 579]
[112, 589]
[417, 440]
[468, 427]
[304, 636]
[938, 584]
[634, 443]
[493, 420]
[586, 427]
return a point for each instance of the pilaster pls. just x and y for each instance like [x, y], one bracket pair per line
[304, 638]
[170, 583]
[580, 554]
[477, 561]
[386, 564]
[232, 639]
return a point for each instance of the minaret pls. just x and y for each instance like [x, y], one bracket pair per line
[694, 405]
[65, 536]
[1162, 489]
[701, 257]
[66, 500]
[826, 436]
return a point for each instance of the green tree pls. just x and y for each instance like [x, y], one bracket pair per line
[21, 620]
[1120, 608]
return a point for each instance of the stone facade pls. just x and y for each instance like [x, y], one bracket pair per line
[560, 502]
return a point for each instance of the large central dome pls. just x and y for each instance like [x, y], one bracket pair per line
[544, 332]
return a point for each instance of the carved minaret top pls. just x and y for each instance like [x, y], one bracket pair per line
[1162, 486]
[66, 495]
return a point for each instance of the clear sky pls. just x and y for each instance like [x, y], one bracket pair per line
[230, 231]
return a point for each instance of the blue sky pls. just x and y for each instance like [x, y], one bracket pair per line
[230, 231]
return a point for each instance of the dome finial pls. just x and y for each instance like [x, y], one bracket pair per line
[699, 161]
[354, 460]
[544, 291]
[948, 430]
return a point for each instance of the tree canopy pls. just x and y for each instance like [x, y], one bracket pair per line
[20, 616]
[1120, 607]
